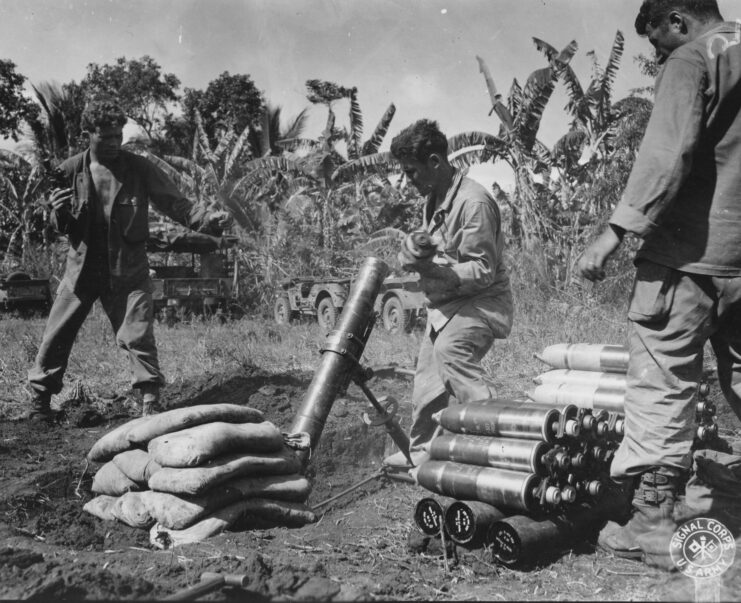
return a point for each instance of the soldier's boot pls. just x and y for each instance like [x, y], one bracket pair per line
[150, 400]
[41, 411]
[617, 500]
[649, 530]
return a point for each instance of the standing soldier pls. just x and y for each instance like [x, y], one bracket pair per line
[104, 212]
[466, 283]
[683, 199]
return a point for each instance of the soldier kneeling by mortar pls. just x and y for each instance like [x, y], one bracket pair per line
[102, 206]
[683, 198]
[463, 276]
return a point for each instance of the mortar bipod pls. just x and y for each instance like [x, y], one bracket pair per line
[385, 414]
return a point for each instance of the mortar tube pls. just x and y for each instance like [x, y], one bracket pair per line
[341, 353]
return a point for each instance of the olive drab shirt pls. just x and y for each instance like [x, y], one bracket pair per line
[139, 181]
[683, 196]
[466, 227]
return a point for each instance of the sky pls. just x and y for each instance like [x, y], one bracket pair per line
[418, 54]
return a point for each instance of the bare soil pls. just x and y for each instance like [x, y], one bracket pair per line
[364, 547]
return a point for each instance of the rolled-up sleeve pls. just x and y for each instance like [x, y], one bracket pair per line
[666, 153]
[477, 247]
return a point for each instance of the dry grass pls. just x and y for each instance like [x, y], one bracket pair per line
[202, 348]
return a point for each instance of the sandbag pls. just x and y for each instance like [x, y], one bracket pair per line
[179, 512]
[132, 509]
[110, 480]
[114, 442]
[183, 418]
[101, 506]
[239, 515]
[137, 465]
[196, 480]
[196, 445]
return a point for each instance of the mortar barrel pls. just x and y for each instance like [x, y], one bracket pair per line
[505, 453]
[587, 357]
[573, 377]
[341, 352]
[502, 488]
[583, 396]
[500, 418]
[468, 521]
[429, 514]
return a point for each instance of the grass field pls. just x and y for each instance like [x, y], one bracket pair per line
[203, 348]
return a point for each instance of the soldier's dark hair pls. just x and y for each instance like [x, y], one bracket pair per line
[102, 112]
[653, 11]
[419, 141]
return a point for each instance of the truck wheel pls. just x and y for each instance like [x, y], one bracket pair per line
[18, 276]
[282, 310]
[326, 313]
[395, 318]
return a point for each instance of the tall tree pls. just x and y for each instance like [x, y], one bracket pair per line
[14, 107]
[229, 101]
[141, 88]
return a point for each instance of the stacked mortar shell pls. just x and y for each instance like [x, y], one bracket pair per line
[502, 457]
[538, 462]
[594, 376]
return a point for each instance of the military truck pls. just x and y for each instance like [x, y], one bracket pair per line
[192, 274]
[400, 302]
[24, 295]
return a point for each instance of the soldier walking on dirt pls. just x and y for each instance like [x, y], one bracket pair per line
[466, 283]
[683, 198]
[104, 212]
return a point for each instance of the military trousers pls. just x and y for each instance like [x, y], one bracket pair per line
[672, 315]
[449, 364]
[130, 312]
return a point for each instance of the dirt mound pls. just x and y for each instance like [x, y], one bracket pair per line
[56, 550]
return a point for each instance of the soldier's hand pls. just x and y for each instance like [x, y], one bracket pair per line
[591, 264]
[60, 199]
[411, 263]
[439, 284]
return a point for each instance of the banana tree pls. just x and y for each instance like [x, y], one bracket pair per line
[518, 146]
[22, 187]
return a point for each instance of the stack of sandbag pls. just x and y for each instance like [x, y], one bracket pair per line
[189, 473]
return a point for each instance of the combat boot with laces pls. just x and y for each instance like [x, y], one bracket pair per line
[648, 532]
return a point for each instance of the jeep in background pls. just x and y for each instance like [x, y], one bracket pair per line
[400, 303]
[24, 295]
[192, 274]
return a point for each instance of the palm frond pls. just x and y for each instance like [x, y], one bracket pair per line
[356, 126]
[297, 125]
[372, 145]
[379, 163]
[613, 64]
[240, 145]
[537, 93]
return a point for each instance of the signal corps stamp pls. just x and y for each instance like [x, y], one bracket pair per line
[703, 549]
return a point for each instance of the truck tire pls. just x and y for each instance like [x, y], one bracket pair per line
[18, 276]
[282, 310]
[395, 318]
[326, 313]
